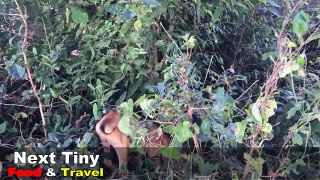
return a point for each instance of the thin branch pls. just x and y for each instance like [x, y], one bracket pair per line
[205, 79]
[27, 66]
[171, 38]
[20, 105]
[247, 90]
[5, 14]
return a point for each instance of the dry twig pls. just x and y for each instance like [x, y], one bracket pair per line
[27, 66]
[272, 81]
[271, 84]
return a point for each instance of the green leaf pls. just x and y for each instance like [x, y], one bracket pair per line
[267, 55]
[137, 25]
[300, 60]
[152, 103]
[314, 37]
[133, 88]
[205, 127]
[74, 100]
[124, 125]
[3, 127]
[300, 23]
[115, 9]
[216, 14]
[183, 133]
[297, 139]
[161, 88]
[270, 107]
[315, 127]
[289, 67]
[208, 168]
[256, 113]
[294, 128]
[274, 11]
[292, 111]
[141, 99]
[78, 16]
[292, 44]
[169, 152]
[125, 27]
[21, 115]
[34, 51]
[92, 88]
[86, 139]
[1, 166]
[17, 71]
[123, 67]
[191, 42]
[95, 111]
[240, 130]
[143, 104]
[271, 2]
[267, 128]
[99, 87]
[168, 129]
[121, 98]
[127, 107]
[255, 163]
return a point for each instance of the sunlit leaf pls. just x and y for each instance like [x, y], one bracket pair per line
[256, 113]
[191, 42]
[270, 108]
[300, 60]
[289, 67]
[216, 14]
[267, 128]
[240, 130]
[300, 23]
[95, 111]
[314, 36]
[183, 132]
[137, 24]
[86, 139]
[297, 139]
[124, 125]
[21, 115]
[292, 44]
[79, 16]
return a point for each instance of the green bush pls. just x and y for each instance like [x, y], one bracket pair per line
[234, 83]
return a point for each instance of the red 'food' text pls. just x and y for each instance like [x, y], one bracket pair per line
[24, 173]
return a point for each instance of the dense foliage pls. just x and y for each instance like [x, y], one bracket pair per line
[235, 83]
